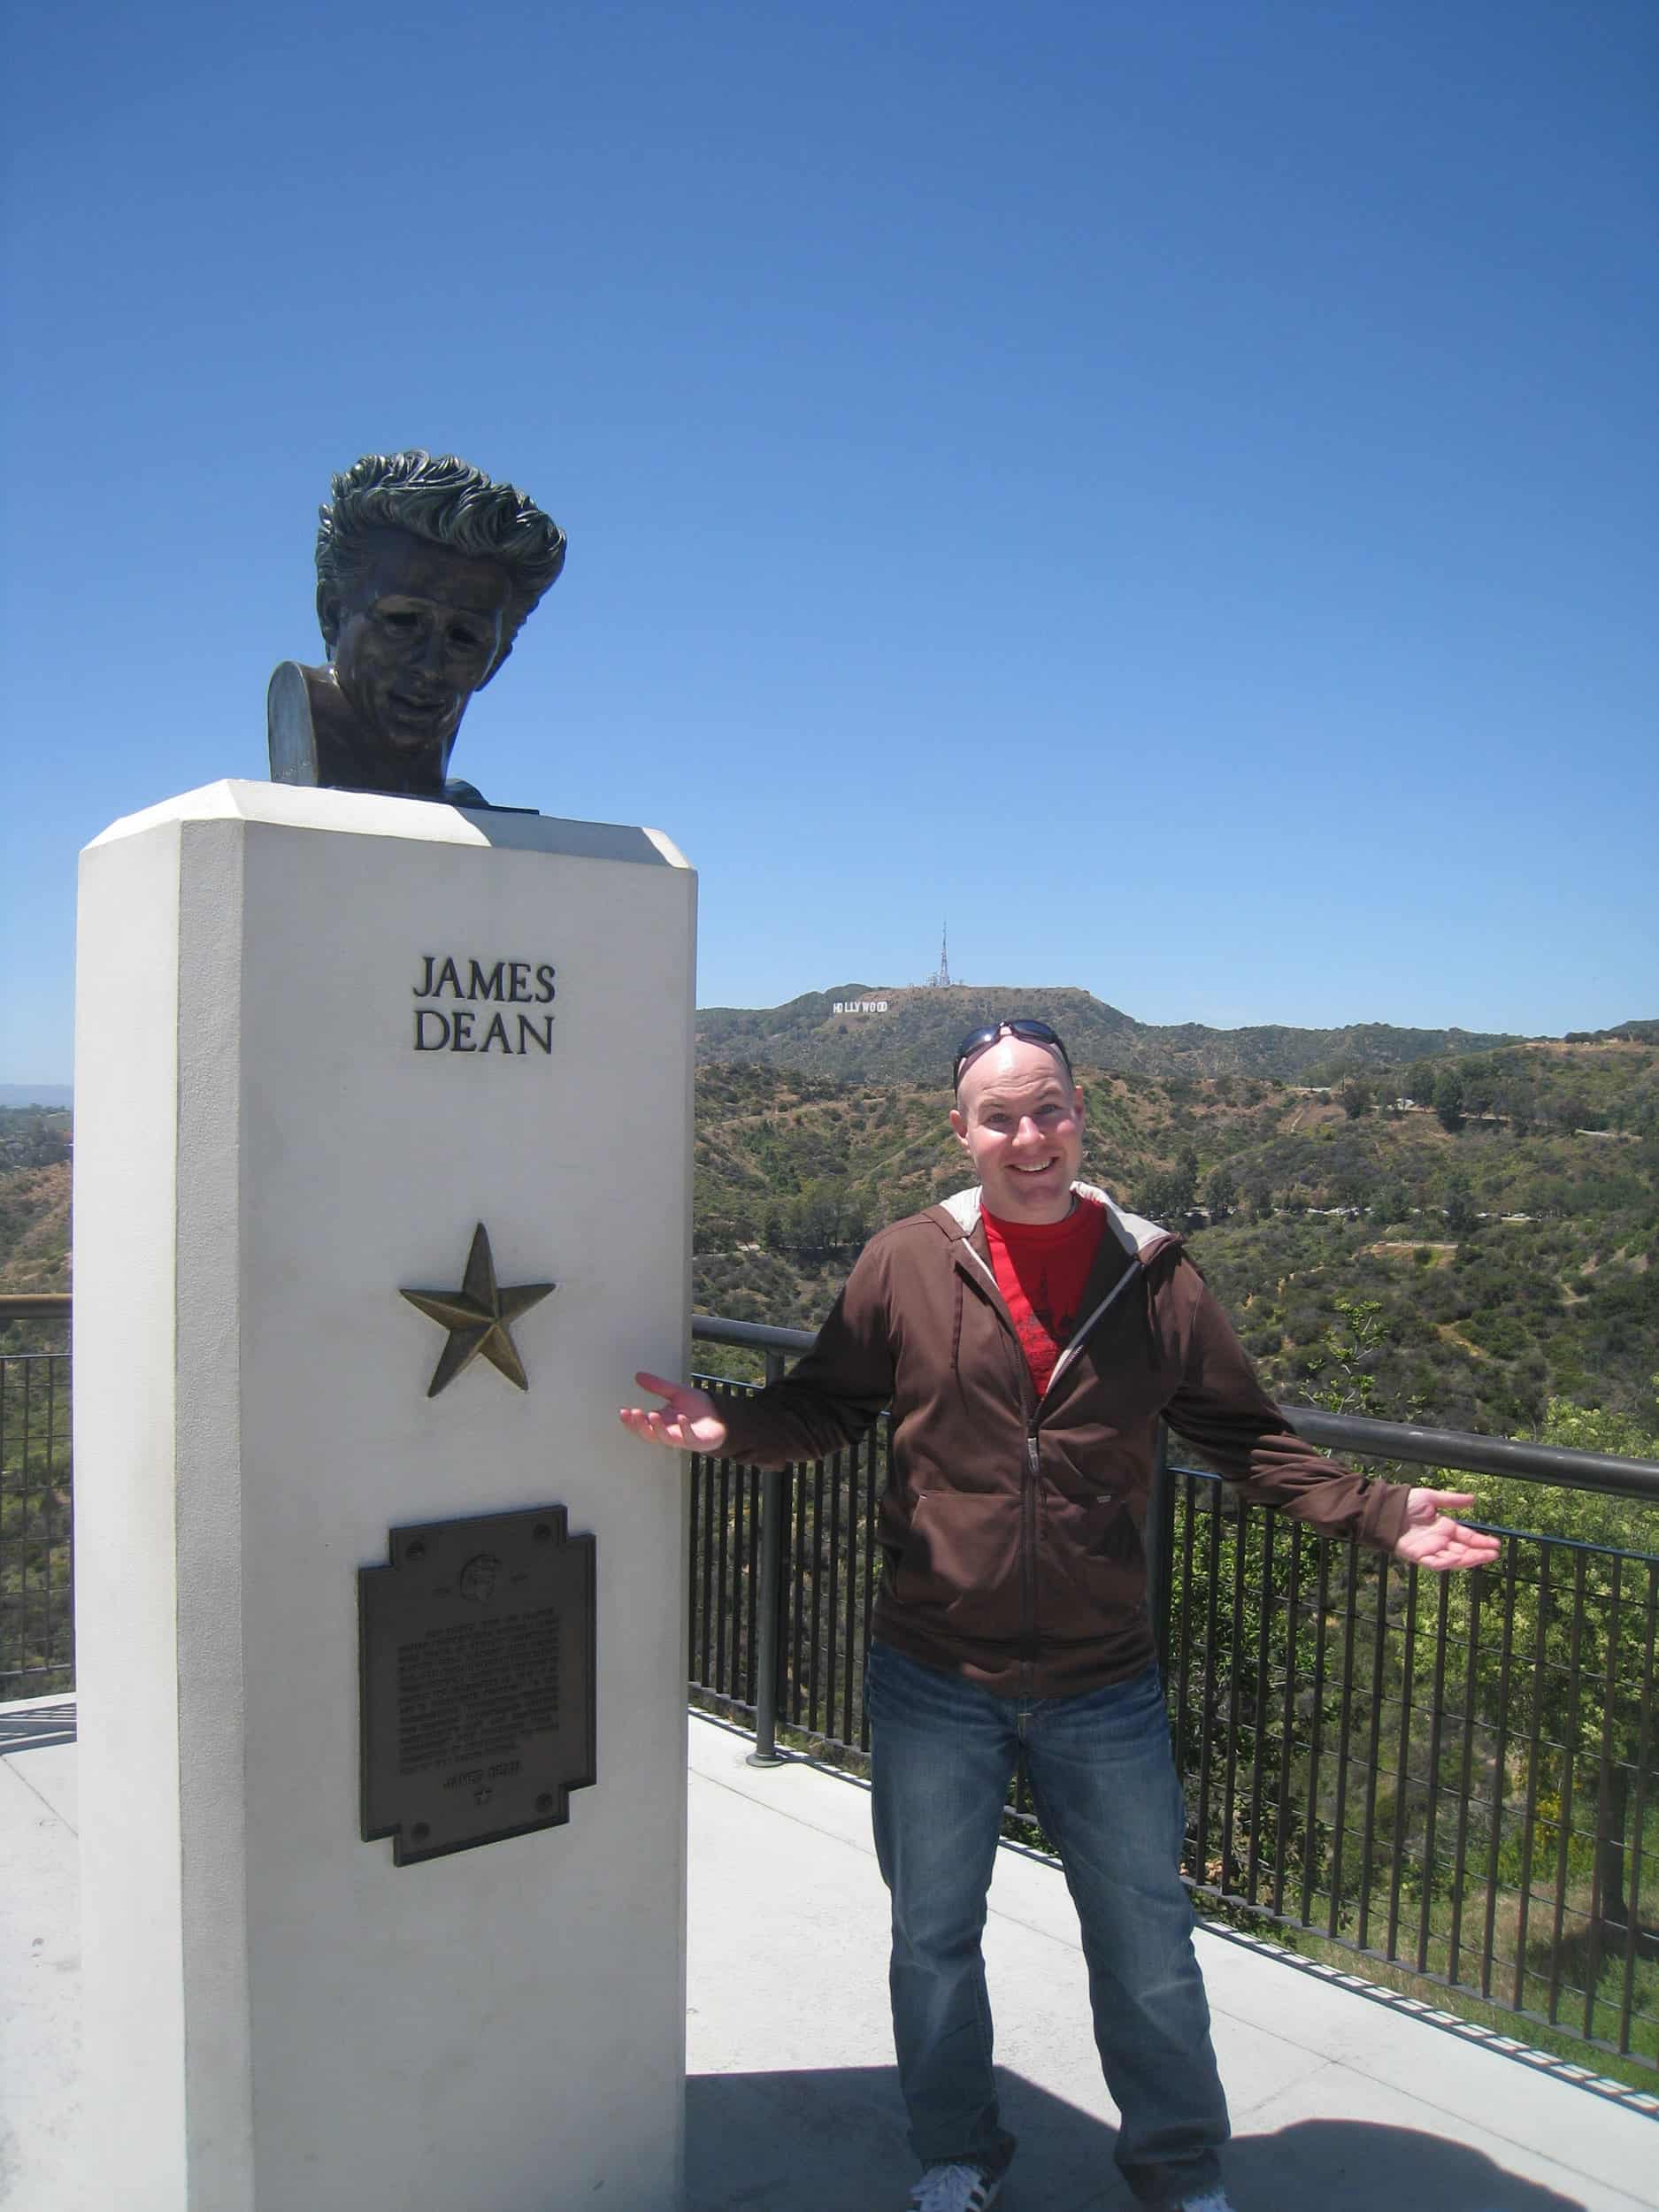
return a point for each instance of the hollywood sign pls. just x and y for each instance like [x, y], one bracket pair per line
[859, 1006]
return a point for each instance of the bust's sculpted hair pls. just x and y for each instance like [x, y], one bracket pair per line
[448, 503]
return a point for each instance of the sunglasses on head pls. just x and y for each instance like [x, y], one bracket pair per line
[978, 1041]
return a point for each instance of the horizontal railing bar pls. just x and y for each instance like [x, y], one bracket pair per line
[1593, 1545]
[756, 1335]
[1457, 1448]
[1556, 1463]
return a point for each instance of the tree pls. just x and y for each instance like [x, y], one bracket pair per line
[1221, 1192]
[1258, 1192]
[1448, 1099]
[1479, 1079]
[1591, 1670]
[1421, 1078]
[1351, 1187]
[1459, 1204]
[1349, 1350]
[1168, 1196]
[1357, 1098]
[1516, 1097]
[1391, 1201]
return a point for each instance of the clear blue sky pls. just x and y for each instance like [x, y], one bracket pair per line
[1169, 488]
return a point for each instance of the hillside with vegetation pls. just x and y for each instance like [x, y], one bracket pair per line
[35, 1145]
[1461, 1236]
[1465, 1257]
[913, 1040]
[1464, 1237]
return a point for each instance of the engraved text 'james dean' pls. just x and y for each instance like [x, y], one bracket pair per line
[474, 987]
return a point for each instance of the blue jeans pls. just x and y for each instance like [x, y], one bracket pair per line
[1105, 1791]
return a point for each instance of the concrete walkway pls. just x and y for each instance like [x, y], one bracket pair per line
[40, 1959]
[1343, 2100]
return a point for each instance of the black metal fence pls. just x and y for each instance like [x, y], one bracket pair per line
[783, 1577]
[1458, 1776]
[37, 1569]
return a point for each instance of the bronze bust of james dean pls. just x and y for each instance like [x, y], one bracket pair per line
[425, 571]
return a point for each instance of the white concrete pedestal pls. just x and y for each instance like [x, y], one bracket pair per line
[269, 1147]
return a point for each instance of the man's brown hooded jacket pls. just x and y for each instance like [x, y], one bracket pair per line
[1011, 1527]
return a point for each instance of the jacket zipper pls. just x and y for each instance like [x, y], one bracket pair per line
[1029, 1474]
[1110, 1299]
[1028, 1556]
[1028, 1533]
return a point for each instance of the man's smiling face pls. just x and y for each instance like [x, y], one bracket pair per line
[1021, 1120]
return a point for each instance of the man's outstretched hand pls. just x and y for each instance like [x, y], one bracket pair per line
[1429, 1540]
[688, 1421]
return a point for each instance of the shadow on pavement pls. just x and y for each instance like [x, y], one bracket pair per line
[1337, 2164]
[33, 1727]
[834, 2141]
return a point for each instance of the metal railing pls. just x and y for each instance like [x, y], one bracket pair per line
[1454, 1776]
[37, 1566]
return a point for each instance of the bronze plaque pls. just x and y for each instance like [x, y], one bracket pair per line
[476, 1679]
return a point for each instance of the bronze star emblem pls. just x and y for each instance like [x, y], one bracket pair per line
[477, 1316]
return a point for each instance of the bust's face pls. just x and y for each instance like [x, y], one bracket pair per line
[417, 633]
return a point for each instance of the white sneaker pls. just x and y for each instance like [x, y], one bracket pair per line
[955, 2188]
[1214, 2200]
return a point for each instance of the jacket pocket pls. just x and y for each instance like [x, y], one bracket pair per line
[961, 1562]
[1092, 1567]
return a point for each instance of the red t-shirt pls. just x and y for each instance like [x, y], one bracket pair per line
[1041, 1269]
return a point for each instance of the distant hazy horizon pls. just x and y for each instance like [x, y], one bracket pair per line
[37, 1094]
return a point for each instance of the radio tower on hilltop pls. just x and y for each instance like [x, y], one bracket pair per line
[940, 980]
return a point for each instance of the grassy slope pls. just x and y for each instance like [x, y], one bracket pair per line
[915, 1038]
[1477, 1327]
[35, 1153]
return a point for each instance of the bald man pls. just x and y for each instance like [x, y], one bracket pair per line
[1029, 1335]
